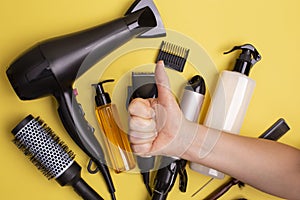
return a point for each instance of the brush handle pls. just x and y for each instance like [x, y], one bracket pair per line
[71, 177]
[85, 191]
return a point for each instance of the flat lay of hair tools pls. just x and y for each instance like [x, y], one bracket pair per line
[160, 100]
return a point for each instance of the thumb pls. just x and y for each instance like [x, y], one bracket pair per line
[162, 83]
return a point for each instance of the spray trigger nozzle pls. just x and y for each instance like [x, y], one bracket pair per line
[250, 49]
[247, 58]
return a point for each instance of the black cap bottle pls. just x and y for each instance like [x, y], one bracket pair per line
[116, 141]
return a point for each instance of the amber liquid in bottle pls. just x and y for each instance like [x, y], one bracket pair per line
[116, 140]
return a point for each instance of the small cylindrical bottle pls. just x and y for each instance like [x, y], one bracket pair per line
[116, 141]
[230, 100]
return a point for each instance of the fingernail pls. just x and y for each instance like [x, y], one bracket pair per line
[160, 62]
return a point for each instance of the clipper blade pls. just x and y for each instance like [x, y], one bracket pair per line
[174, 56]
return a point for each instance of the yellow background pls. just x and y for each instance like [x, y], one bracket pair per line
[216, 25]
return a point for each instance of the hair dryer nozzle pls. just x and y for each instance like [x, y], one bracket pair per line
[159, 29]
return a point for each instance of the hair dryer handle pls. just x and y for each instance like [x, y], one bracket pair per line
[72, 117]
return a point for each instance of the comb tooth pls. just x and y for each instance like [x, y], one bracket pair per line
[177, 57]
[164, 44]
[164, 51]
[174, 55]
[179, 53]
[168, 49]
[161, 52]
[181, 49]
[186, 53]
[181, 60]
[159, 56]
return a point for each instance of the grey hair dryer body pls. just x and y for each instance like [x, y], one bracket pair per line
[51, 68]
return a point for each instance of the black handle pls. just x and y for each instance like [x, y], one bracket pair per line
[183, 177]
[222, 189]
[82, 132]
[276, 131]
[165, 177]
[145, 164]
[85, 191]
[158, 196]
[72, 177]
[72, 117]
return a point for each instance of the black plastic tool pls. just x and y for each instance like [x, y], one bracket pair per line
[174, 56]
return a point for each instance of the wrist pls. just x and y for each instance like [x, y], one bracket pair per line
[202, 145]
[193, 149]
[186, 138]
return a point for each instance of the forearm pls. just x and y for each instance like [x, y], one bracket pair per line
[267, 165]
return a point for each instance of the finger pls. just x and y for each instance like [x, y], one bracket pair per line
[141, 148]
[162, 82]
[142, 125]
[141, 138]
[141, 108]
[161, 76]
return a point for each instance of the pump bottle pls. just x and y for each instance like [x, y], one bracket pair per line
[116, 141]
[230, 100]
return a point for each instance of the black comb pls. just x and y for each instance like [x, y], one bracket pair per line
[51, 156]
[174, 56]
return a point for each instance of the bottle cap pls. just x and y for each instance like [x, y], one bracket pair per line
[198, 84]
[102, 97]
[247, 58]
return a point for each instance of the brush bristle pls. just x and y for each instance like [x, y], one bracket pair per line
[44, 148]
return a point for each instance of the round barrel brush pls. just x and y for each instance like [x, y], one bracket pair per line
[51, 156]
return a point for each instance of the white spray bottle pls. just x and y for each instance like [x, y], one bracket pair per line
[230, 99]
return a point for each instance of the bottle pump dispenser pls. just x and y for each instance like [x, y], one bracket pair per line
[231, 99]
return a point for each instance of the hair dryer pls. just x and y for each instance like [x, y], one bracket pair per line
[51, 67]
